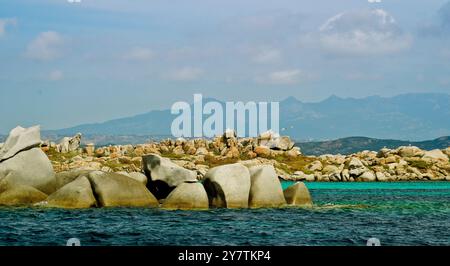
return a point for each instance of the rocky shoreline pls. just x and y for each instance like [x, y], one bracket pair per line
[28, 177]
[405, 163]
[224, 172]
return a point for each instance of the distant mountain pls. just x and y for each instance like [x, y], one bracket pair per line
[355, 144]
[408, 117]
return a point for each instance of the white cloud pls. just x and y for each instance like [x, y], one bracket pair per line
[56, 75]
[363, 32]
[282, 77]
[267, 55]
[5, 22]
[139, 54]
[186, 74]
[46, 46]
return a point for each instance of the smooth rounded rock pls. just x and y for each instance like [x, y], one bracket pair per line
[228, 186]
[65, 177]
[164, 175]
[17, 194]
[77, 194]
[298, 195]
[187, 196]
[265, 189]
[20, 139]
[115, 190]
[32, 168]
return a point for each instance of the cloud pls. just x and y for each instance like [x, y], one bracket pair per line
[46, 46]
[282, 77]
[267, 55]
[5, 22]
[139, 54]
[363, 33]
[186, 74]
[56, 75]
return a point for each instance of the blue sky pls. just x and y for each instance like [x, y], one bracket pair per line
[63, 64]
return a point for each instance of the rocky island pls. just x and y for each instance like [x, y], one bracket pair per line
[223, 172]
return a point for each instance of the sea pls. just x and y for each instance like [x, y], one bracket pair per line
[344, 214]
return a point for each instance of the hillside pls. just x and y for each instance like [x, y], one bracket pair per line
[355, 144]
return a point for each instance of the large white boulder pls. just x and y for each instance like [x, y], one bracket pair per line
[228, 186]
[115, 190]
[265, 189]
[187, 196]
[69, 144]
[436, 155]
[409, 151]
[164, 175]
[356, 167]
[75, 195]
[32, 168]
[274, 141]
[367, 176]
[20, 139]
[23, 162]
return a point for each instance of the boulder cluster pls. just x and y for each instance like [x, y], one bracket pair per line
[406, 163]
[28, 177]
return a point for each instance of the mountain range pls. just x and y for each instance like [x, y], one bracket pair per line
[414, 116]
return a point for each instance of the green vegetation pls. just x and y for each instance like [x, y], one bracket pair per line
[213, 161]
[115, 165]
[293, 164]
[351, 145]
[55, 156]
[420, 164]
[173, 156]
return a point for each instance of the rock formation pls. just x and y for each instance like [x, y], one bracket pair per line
[75, 195]
[23, 162]
[188, 195]
[69, 144]
[298, 195]
[163, 175]
[265, 189]
[228, 186]
[115, 190]
[17, 194]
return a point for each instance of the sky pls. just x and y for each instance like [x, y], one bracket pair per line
[64, 62]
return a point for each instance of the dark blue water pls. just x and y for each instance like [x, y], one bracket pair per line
[412, 213]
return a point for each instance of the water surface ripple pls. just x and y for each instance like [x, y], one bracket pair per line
[412, 213]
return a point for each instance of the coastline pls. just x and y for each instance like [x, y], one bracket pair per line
[404, 163]
[224, 172]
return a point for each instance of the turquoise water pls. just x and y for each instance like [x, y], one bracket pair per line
[409, 213]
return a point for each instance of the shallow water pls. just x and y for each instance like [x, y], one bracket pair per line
[409, 213]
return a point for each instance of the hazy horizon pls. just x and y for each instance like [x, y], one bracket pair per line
[206, 99]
